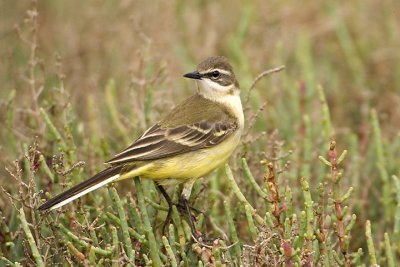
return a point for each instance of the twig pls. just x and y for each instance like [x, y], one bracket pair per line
[258, 78]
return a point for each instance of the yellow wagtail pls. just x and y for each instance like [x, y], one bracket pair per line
[196, 137]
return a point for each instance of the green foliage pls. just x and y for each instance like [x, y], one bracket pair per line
[314, 183]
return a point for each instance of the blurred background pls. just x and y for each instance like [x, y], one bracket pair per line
[105, 70]
[349, 46]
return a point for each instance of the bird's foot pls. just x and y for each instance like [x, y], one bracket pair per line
[182, 208]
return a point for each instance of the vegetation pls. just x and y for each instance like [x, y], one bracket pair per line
[314, 183]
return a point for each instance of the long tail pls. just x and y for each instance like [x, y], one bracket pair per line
[102, 178]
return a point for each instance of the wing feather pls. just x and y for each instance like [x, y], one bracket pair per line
[157, 142]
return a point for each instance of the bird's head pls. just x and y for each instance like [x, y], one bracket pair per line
[215, 78]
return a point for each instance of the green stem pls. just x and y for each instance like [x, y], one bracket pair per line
[53, 129]
[115, 220]
[7, 261]
[170, 252]
[370, 244]
[171, 237]
[115, 242]
[45, 168]
[240, 195]
[389, 252]
[397, 213]
[147, 226]
[233, 232]
[124, 224]
[308, 202]
[252, 227]
[136, 221]
[97, 250]
[74, 251]
[35, 252]
[253, 182]
[155, 205]
[381, 165]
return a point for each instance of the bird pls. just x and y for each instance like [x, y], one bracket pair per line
[192, 140]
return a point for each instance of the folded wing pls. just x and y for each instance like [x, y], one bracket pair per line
[158, 142]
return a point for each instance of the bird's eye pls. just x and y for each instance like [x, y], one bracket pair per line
[215, 74]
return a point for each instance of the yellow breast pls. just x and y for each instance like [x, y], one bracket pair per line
[189, 165]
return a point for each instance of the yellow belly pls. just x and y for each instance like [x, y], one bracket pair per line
[191, 165]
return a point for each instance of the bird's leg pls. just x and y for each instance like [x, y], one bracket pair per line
[170, 204]
[183, 207]
[184, 199]
[180, 207]
[185, 203]
[196, 237]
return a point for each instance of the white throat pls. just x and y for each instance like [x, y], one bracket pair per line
[223, 95]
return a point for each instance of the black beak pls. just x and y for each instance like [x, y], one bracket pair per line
[193, 75]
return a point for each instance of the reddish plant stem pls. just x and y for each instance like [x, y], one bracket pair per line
[274, 197]
[275, 201]
[340, 228]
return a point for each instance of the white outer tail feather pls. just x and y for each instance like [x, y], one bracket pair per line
[84, 192]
